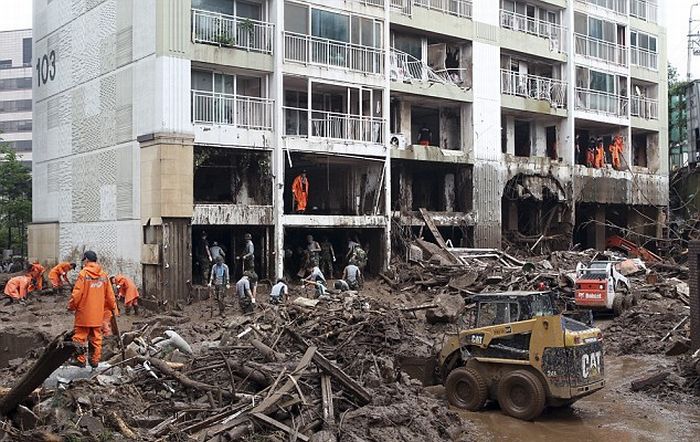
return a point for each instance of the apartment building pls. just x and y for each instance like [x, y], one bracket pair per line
[167, 120]
[16, 92]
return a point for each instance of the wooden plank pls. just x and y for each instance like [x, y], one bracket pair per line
[327, 397]
[364, 397]
[432, 227]
[271, 400]
[279, 425]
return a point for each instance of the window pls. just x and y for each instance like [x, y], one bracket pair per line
[249, 10]
[220, 6]
[602, 82]
[5, 64]
[16, 126]
[410, 45]
[27, 51]
[10, 84]
[16, 106]
[494, 313]
[296, 18]
[330, 25]
[21, 146]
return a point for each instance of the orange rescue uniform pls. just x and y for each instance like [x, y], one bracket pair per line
[127, 290]
[599, 157]
[615, 152]
[300, 189]
[92, 296]
[18, 287]
[59, 274]
[36, 272]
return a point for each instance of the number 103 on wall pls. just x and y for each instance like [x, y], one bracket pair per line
[46, 68]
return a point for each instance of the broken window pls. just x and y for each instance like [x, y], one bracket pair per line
[229, 176]
[639, 152]
[523, 140]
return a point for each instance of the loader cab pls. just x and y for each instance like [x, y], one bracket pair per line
[504, 308]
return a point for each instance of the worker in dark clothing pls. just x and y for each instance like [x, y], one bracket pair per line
[425, 136]
[248, 256]
[204, 259]
[327, 257]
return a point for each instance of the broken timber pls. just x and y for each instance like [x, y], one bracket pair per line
[364, 397]
[649, 381]
[279, 425]
[55, 354]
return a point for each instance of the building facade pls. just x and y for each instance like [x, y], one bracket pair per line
[16, 92]
[168, 119]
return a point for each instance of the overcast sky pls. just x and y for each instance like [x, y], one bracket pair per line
[17, 14]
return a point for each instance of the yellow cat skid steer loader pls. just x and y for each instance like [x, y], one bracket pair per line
[521, 353]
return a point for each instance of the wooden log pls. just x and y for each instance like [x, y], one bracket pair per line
[418, 307]
[251, 374]
[269, 354]
[327, 396]
[280, 426]
[164, 368]
[55, 354]
[649, 381]
[364, 397]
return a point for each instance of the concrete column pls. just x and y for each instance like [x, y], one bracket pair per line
[386, 97]
[512, 216]
[599, 227]
[566, 140]
[278, 154]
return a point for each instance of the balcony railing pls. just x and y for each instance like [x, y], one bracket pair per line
[458, 8]
[321, 51]
[377, 3]
[535, 87]
[644, 58]
[643, 107]
[644, 10]
[232, 110]
[227, 30]
[405, 67]
[534, 26]
[601, 50]
[601, 102]
[402, 6]
[333, 125]
[618, 6]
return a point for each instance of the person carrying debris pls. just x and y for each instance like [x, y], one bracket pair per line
[249, 256]
[279, 291]
[600, 155]
[216, 251]
[246, 298]
[300, 190]
[36, 272]
[317, 279]
[220, 277]
[203, 255]
[92, 296]
[352, 276]
[59, 274]
[616, 152]
[18, 287]
[126, 289]
[327, 257]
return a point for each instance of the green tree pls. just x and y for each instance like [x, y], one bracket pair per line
[677, 113]
[15, 200]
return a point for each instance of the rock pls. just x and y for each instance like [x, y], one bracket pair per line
[415, 254]
[93, 425]
[305, 302]
[84, 402]
[678, 347]
[546, 265]
[652, 296]
[630, 266]
[449, 308]
[323, 436]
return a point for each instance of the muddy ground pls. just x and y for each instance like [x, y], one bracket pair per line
[401, 409]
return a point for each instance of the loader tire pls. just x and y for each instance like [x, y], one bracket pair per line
[466, 388]
[618, 304]
[521, 395]
[628, 302]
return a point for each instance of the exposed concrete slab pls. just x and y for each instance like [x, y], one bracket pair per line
[232, 214]
[333, 221]
[531, 105]
[431, 153]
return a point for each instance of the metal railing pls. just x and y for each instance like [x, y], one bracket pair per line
[232, 110]
[535, 87]
[377, 3]
[534, 26]
[458, 8]
[601, 102]
[333, 125]
[643, 107]
[601, 50]
[321, 51]
[644, 58]
[227, 30]
[644, 10]
[405, 67]
[618, 6]
[402, 6]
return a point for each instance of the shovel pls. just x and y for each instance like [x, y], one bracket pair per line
[115, 328]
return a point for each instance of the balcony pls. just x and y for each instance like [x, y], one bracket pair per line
[407, 68]
[333, 126]
[601, 102]
[211, 108]
[229, 31]
[644, 58]
[643, 107]
[457, 8]
[617, 6]
[601, 50]
[534, 26]
[402, 6]
[644, 10]
[534, 87]
[307, 49]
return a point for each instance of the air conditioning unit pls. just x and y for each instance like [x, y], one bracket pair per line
[397, 141]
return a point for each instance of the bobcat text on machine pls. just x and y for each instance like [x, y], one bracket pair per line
[600, 286]
[521, 353]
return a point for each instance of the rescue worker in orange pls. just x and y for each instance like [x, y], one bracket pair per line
[126, 289]
[616, 152]
[590, 153]
[18, 287]
[36, 272]
[59, 275]
[92, 296]
[300, 190]
[600, 155]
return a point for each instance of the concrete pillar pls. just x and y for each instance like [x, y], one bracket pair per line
[599, 228]
[510, 134]
[386, 98]
[278, 156]
[512, 216]
[405, 121]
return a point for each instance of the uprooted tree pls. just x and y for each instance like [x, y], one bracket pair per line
[15, 200]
